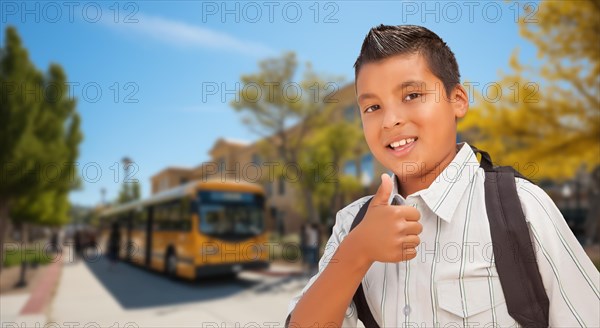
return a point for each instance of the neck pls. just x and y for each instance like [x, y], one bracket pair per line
[408, 185]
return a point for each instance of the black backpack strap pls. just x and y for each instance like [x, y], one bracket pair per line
[360, 301]
[488, 166]
[522, 285]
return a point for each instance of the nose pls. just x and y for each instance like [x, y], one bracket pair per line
[392, 117]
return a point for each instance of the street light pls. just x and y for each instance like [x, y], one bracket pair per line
[566, 193]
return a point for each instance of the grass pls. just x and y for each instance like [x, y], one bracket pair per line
[29, 255]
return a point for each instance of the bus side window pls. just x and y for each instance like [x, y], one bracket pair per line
[174, 216]
[159, 217]
[184, 214]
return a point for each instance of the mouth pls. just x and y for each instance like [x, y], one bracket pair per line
[402, 146]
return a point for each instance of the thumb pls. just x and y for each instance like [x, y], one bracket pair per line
[383, 192]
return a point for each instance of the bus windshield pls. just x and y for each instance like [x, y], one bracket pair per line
[231, 215]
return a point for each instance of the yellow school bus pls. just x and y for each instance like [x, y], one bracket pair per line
[202, 228]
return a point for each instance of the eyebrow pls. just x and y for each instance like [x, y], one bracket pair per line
[403, 85]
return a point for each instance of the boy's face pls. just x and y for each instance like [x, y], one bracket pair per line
[408, 120]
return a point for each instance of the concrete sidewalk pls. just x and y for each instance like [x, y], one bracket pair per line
[91, 295]
[29, 309]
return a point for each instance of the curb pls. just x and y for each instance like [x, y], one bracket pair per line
[277, 273]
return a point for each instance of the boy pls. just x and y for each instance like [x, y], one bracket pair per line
[429, 261]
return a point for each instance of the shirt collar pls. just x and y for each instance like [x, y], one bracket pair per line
[446, 191]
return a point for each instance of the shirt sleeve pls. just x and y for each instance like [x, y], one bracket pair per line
[340, 230]
[570, 278]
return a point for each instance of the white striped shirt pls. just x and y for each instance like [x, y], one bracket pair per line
[453, 281]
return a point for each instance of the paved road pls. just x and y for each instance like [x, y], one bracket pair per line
[90, 295]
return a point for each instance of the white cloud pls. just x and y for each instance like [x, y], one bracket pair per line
[187, 35]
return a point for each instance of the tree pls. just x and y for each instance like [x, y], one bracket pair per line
[130, 190]
[552, 127]
[286, 112]
[39, 138]
[328, 147]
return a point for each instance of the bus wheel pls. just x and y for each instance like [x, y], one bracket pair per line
[171, 265]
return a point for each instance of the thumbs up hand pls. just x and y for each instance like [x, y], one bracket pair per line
[388, 233]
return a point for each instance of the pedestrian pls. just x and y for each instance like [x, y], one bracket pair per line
[423, 256]
[113, 247]
[305, 257]
[313, 244]
[54, 241]
[77, 240]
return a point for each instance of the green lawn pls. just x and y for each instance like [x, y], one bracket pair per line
[14, 257]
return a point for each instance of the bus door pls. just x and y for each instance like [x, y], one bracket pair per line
[129, 241]
[149, 229]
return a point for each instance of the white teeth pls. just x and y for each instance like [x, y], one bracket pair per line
[402, 142]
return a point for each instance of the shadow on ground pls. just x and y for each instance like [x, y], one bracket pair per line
[134, 287]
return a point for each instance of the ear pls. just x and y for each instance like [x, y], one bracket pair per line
[459, 101]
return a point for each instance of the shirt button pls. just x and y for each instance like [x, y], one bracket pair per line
[406, 310]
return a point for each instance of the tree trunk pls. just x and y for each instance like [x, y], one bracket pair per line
[24, 241]
[4, 228]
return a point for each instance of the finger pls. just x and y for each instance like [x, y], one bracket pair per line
[413, 228]
[411, 242]
[410, 213]
[382, 195]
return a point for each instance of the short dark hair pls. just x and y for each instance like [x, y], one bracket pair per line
[385, 41]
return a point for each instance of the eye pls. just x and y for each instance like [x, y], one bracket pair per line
[371, 108]
[412, 96]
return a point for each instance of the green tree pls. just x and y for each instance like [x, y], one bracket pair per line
[549, 110]
[324, 152]
[39, 139]
[130, 190]
[286, 112]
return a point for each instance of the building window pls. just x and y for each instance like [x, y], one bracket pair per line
[281, 222]
[269, 187]
[221, 163]
[350, 113]
[281, 186]
[164, 183]
[350, 168]
[366, 166]
[256, 159]
[183, 180]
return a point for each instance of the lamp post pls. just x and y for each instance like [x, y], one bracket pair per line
[102, 196]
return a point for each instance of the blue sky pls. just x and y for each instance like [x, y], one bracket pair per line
[158, 54]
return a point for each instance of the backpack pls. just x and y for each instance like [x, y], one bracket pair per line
[526, 298]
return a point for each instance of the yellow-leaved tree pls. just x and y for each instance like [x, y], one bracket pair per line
[546, 122]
